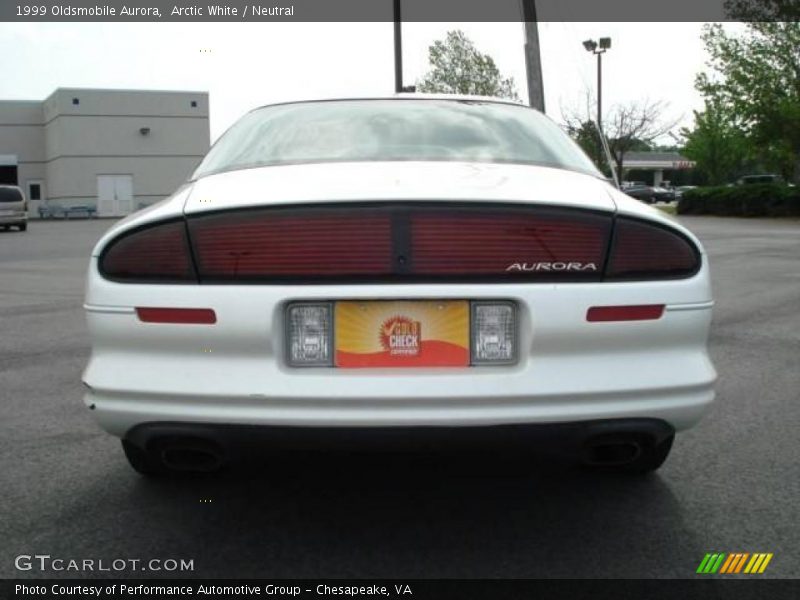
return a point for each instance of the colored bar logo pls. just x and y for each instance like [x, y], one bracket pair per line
[734, 563]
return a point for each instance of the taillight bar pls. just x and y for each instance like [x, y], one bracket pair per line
[188, 316]
[640, 312]
[400, 242]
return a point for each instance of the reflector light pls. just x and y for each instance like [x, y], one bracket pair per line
[494, 333]
[194, 316]
[309, 338]
[642, 312]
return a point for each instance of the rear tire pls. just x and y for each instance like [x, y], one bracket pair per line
[23, 227]
[143, 462]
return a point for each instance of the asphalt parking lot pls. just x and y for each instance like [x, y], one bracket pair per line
[731, 484]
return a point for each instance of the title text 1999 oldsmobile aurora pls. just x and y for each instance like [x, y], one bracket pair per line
[412, 264]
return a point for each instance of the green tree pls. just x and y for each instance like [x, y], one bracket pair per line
[756, 76]
[586, 135]
[763, 10]
[717, 144]
[457, 67]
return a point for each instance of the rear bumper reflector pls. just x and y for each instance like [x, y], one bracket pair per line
[642, 312]
[191, 316]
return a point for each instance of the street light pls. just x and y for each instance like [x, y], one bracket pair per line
[599, 48]
[398, 47]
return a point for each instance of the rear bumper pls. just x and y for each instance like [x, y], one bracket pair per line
[16, 219]
[234, 372]
[565, 438]
[682, 408]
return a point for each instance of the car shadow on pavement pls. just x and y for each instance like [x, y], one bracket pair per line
[421, 514]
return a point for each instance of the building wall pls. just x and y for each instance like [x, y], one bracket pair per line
[22, 135]
[74, 179]
[157, 137]
[77, 134]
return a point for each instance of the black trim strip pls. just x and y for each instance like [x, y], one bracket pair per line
[610, 245]
[401, 242]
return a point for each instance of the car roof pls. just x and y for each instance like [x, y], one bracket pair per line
[405, 96]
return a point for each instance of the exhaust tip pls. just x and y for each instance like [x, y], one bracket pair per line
[195, 456]
[612, 452]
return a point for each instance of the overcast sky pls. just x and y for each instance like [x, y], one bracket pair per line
[250, 64]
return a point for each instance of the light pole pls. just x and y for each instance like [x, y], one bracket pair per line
[398, 47]
[533, 60]
[599, 48]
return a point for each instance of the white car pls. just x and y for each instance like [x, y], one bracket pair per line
[13, 208]
[436, 265]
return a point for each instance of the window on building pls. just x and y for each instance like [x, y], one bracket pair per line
[34, 191]
[76, 101]
[194, 103]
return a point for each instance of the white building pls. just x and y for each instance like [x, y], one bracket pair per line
[658, 165]
[112, 150]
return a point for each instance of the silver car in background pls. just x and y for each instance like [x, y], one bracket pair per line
[13, 208]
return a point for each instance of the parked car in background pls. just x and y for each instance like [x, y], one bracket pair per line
[644, 193]
[756, 179]
[629, 184]
[367, 267]
[681, 189]
[650, 194]
[13, 208]
[662, 194]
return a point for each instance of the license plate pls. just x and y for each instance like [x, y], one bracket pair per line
[402, 334]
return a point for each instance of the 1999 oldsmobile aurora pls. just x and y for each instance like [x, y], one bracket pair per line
[416, 263]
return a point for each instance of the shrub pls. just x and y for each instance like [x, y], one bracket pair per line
[762, 200]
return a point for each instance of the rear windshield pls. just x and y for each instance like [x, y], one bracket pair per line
[10, 194]
[394, 130]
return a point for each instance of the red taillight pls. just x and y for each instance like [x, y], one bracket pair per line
[640, 312]
[395, 242]
[159, 252]
[647, 251]
[536, 244]
[271, 244]
[193, 316]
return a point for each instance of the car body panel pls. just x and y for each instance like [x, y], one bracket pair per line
[386, 181]
[234, 371]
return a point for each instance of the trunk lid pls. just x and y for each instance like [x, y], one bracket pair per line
[379, 181]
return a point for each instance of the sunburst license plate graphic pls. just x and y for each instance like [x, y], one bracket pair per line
[402, 334]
